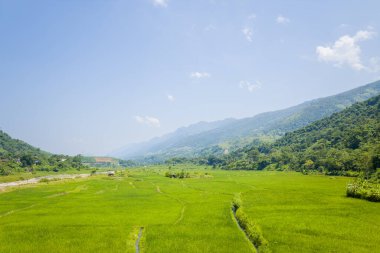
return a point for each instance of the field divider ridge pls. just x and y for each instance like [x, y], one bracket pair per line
[251, 230]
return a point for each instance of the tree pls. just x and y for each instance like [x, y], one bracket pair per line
[77, 161]
[26, 160]
[309, 165]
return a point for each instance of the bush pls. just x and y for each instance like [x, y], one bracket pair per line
[236, 202]
[271, 167]
[363, 189]
[351, 173]
[170, 174]
[5, 171]
[44, 180]
[180, 175]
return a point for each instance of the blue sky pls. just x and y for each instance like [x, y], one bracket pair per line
[91, 76]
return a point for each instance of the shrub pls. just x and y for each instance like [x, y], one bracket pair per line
[44, 180]
[170, 174]
[363, 189]
[236, 202]
[351, 173]
[180, 175]
[5, 171]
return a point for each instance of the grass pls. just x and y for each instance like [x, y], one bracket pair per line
[312, 214]
[296, 213]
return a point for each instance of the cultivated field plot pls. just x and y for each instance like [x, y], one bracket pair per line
[296, 213]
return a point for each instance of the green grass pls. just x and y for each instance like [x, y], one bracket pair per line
[296, 213]
[300, 213]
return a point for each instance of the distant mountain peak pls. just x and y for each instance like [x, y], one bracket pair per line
[230, 133]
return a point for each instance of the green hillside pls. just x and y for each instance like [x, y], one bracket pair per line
[346, 143]
[349, 140]
[17, 156]
[14, 148]
[233, 134]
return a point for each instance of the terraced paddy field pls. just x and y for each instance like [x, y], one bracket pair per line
[296, 213]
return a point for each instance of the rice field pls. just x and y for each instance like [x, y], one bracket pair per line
[296, 213]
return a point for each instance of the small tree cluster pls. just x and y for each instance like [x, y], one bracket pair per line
[181, 174]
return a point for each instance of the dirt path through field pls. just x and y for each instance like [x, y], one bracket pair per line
[181, 216]
[38, 179]
[17, 210]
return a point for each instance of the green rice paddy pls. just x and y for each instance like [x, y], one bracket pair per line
[296, 213]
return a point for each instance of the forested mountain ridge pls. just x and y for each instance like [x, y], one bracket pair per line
[347, 142]
[347, 129]
[17, 155]
[15, 147]
[238, 133]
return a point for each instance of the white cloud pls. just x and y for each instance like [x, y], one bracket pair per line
[282, 20]
[252, 16]
[251, 87]
[161, 3]
[345, 51]
[209, 28]
[148, 120]
[170, 98]
[199, 75]
[248, 33]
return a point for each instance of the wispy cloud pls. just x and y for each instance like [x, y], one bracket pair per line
[209, 28]
[252, 16]
[148, 120]
[161, 3]
[251, 87]
[247, 29]
[282, 20]
[248, 33]
[199, 75]
[346, 51]
[171, 98]
[342, 26]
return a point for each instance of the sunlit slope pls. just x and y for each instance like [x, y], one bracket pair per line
[234, 133]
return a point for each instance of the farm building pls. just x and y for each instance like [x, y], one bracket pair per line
[100, 162]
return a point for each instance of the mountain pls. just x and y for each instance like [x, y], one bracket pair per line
[234, 133]
[167, 141]
[15, 148]
[345, 142]
[17, 155]
[351, 128]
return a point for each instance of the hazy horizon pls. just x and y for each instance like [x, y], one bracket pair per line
[91, 77]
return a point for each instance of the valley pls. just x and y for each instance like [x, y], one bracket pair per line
[314, 189]
[168, 126]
